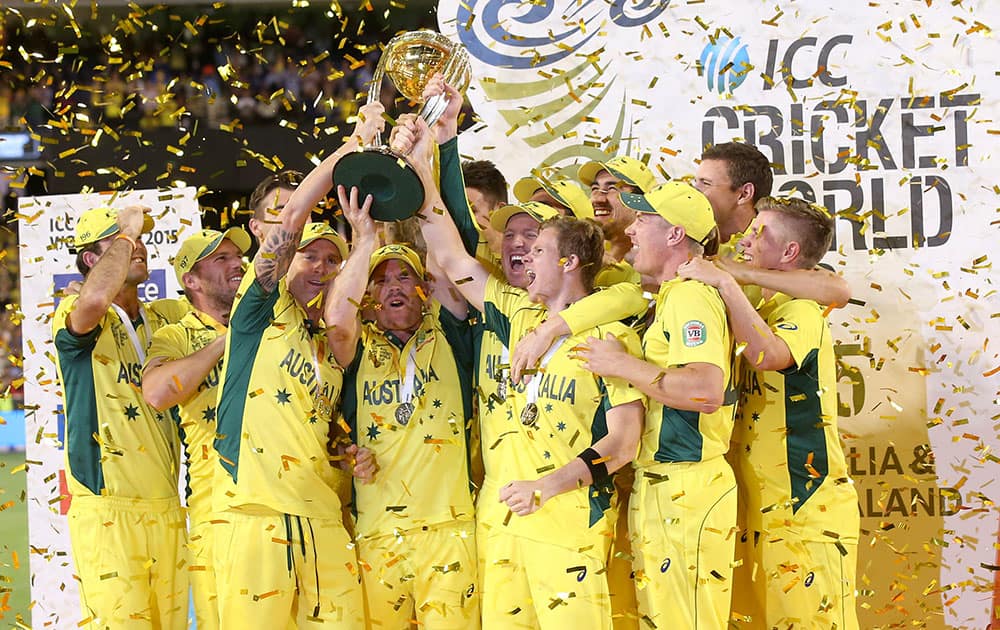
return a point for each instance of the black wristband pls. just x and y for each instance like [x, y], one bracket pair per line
[596, 463]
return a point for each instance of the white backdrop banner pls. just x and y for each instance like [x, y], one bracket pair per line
[46, 233]
[886, 113]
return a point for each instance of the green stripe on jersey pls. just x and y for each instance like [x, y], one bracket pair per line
[806, 434]
[680, 436]
[83, 451]
[246, 329]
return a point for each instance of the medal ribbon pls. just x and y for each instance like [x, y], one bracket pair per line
[409, 384]
[504, 360]
[531, 391]
[133, 336]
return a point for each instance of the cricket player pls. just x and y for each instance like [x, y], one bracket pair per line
[801, 505]
[408, 399]
[682, 516]
[182, 368]
[486, 189]
[126, 524]
[267, 200]
[734, 176]
[289, 559]
[548, 509]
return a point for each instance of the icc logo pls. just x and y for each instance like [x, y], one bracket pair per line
[725, 63]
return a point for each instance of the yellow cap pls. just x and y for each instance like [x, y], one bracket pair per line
[396, 252]
[536, 210]
[201, 244]
[629, 170]
[678, 203]
[565, 192]
[314, 231]
[102, 222]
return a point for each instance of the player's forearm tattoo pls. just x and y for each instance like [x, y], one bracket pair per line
[275, 255]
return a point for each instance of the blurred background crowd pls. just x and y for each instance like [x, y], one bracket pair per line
[70, 77]
[256, 64]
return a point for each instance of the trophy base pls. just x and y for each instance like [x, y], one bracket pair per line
[395, 187]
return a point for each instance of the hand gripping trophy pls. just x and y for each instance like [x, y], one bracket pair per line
[410, 60]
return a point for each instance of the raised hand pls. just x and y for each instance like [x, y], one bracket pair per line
[370, 122]
[357, 215]
[446, 126]
[422, 155]
[404, 135]
[130, 220]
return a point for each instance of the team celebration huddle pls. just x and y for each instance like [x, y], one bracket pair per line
[607, 402]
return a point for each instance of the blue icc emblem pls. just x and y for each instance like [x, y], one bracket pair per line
[725, 63]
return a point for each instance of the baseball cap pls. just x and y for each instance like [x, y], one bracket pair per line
[314, 231]
[536, 210]
[102, 222]
[629, 170]
[565, 192]
[201, 244]
[396, 252]
[678, 203]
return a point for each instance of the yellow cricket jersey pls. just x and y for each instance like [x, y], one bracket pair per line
[490, 260]
[572, 404]
[619, 301]
[790, 456]
[423, 465]
[194, 331]
[279, 387]
[116, 444]
[689, 327]
[492, 389]
[616, 273]
[171, 310]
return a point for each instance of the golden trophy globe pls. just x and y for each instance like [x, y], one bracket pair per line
[410, 60]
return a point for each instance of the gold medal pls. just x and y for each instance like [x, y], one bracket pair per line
[403, 413]
[529, 414]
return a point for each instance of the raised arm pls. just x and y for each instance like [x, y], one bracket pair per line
[610, 453]
[764, 349]
[440, 233]
[344, 300]
[693, 386]
[617, 302]
[819, 285]
[167, 382]
[444, 291]
[452, 182]
[108, 272]
[277, 250]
